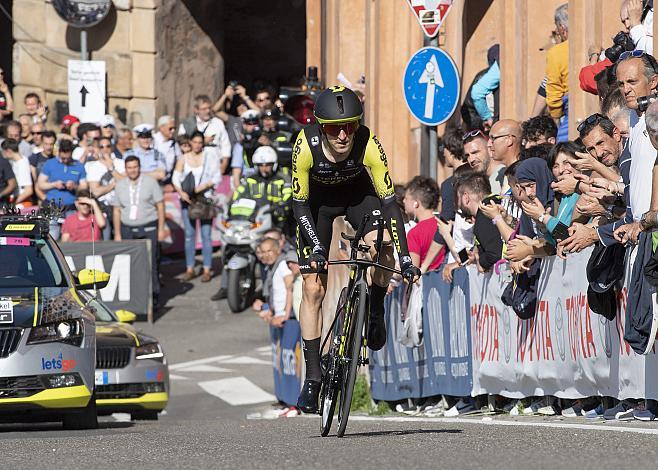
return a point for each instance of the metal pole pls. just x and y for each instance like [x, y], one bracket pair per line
[433, 142]
[425, 136]
[83, 45]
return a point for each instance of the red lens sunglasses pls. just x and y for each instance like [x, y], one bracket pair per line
[334, 129]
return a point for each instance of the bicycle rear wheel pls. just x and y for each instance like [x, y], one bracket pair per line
[355, 341]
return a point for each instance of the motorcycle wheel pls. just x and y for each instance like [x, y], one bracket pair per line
[240, 289]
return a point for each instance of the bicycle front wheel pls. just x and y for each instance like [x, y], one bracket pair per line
[355, 341]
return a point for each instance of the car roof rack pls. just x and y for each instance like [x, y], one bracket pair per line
[35, 222]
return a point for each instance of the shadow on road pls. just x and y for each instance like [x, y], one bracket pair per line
[402, 432]
[57, 427]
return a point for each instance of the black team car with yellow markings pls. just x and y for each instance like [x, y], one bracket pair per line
[47, 333]
[132, 375]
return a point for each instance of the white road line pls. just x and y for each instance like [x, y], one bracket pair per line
[496, 422]
[237, 391]
[204, 368]
[262, 349]
[246, 360]
[199, 361]
[177, 377]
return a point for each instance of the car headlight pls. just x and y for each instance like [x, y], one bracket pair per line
[150, 351]
[65, 331]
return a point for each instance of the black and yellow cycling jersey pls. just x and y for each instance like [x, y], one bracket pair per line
[323, 190]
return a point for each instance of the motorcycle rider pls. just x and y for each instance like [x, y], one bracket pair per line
[243, 152]
[276, 138]
[266, 186]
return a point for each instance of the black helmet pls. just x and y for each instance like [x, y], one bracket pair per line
[337, 104]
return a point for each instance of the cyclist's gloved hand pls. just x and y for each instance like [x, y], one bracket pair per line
[319, 257]
[409, 272]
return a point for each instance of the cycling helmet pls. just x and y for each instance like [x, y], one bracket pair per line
[264, 155]
[337, 104]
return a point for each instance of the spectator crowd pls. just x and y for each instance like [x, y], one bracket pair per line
[519, 191]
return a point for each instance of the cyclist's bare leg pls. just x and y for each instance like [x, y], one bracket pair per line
[380, 278]
[310, 312]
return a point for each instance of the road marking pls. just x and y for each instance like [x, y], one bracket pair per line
[177, 377]
[246, 360]
[263, 349]
[199, 361]
[237, 391]
[495, 422]
[205, 368]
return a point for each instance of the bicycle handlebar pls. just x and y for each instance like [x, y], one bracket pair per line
[366, 263]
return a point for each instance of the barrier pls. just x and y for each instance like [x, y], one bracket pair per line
[129, 264]
[442, 364]
[287, 361]
[566, 350]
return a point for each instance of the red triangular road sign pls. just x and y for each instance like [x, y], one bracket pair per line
[430, 14]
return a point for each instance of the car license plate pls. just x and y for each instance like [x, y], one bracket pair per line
[6, 311]
[101, 377]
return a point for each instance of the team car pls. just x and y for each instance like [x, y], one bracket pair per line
[132, 375]
[47, 334]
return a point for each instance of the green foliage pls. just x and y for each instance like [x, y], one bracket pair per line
[362, 401]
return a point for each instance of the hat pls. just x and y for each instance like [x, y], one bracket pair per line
[107, 121]
[250, 116]
[143, 130]
[291, 257]
[271, 113]
[69, 120]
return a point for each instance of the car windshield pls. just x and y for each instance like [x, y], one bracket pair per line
[28, 262]
[101, 312]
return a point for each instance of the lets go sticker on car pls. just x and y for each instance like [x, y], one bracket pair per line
[6, 310]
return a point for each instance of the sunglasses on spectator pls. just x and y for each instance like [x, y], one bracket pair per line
[590, 121]
[473, 134]
[260, 100]
[36, 132]
[625, 55]
[334, 129]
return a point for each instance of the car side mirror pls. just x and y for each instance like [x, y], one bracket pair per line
[91, 279]
[125, 316]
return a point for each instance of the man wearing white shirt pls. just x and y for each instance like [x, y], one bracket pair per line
[21, 168]
[638, 76]
[638, 19]
[166, 144]
[212, 128]
[102, 176]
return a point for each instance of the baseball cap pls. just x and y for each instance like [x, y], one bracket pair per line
[107, 121]
[69, 120]
[143, 130]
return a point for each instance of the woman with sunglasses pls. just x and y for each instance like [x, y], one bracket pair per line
[339, 168]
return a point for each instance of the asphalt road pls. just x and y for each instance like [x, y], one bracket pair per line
[220, 360]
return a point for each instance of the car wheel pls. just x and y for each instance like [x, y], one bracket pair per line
[144, 415]
[85, 419]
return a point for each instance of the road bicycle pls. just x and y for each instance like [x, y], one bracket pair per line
[348, 347]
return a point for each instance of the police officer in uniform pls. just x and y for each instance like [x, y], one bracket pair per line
[152, 162]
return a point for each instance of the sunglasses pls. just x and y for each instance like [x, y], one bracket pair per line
[260, 100]
[591, 120]
[473, 134]
[36, 133]
[334, 129]
[627, 54]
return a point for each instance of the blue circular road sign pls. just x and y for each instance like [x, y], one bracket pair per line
[431, 86]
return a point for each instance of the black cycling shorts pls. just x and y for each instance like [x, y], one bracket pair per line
[328, 202]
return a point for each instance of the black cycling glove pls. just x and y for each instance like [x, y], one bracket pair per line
[319, 257]
[410, 272]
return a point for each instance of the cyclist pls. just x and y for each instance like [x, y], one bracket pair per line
[330, 165]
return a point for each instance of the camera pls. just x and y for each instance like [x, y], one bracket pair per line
[233, 84]
[643, 102]
[621, 43]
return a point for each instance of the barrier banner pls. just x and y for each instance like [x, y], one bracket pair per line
[129, 264]
[287, 361]
[566, 350]
[442, 364]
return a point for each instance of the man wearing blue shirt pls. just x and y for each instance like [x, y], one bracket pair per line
[60, 179]
[152, 162]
